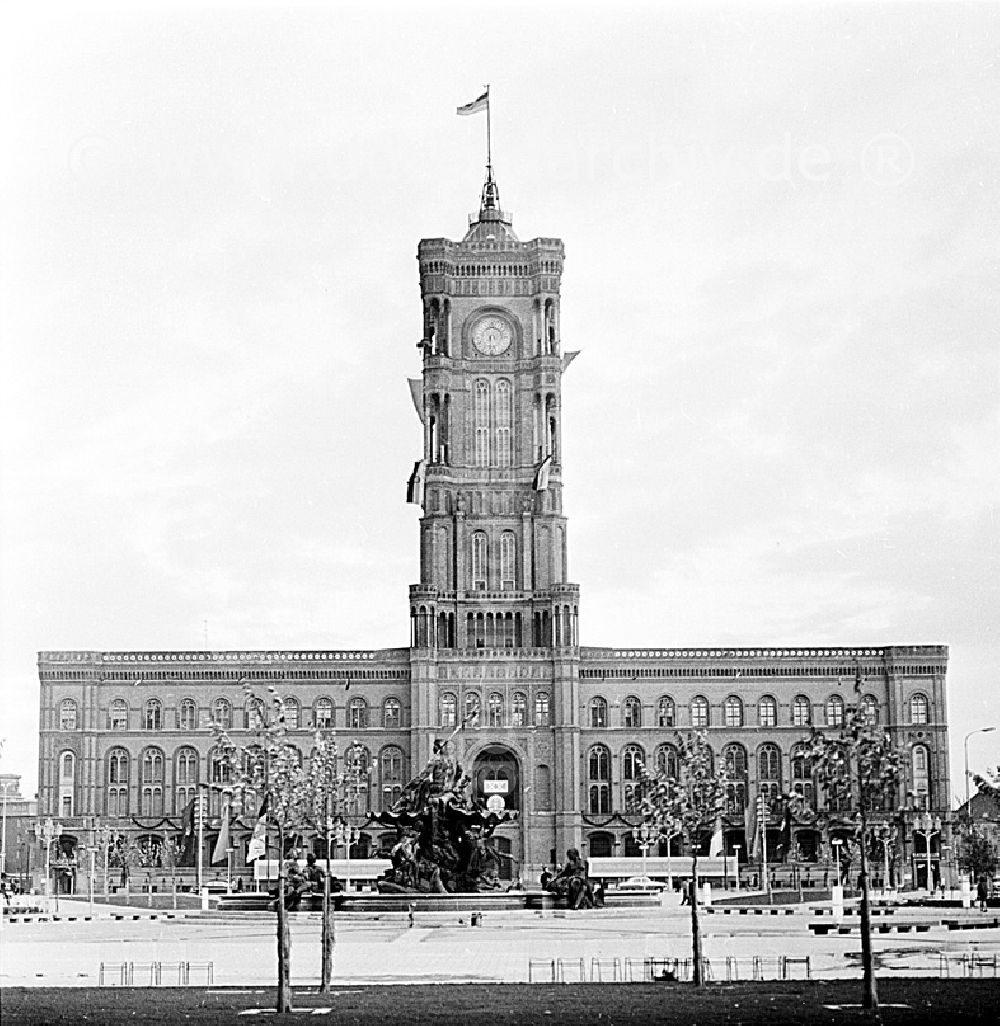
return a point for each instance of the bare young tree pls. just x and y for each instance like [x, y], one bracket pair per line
[320, 803]
[688, 803]
[271, 773]
[859, 764]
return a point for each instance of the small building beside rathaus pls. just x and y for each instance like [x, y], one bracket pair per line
[556, 730]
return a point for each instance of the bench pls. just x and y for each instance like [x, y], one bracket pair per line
[900, 926]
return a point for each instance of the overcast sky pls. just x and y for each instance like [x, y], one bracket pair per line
[781, 226]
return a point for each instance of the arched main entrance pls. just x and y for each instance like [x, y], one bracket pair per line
[497, 781]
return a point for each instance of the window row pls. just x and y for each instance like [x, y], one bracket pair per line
[187, 715]
[496, 710]
[770, 780]
[140, 787]
[733, 712]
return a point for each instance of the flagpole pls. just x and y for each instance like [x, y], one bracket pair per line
[489, 158]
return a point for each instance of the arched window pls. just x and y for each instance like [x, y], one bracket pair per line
[67, 714]
[222, 713]
[292, 714]
[323, 713]
[187, 715]
[868, 710]
[473, 704]
[732, 710]
[391, 769]
[220, 771]
[802, 779]
[666, 761]
[357, 714]
[151, 795]
[665, 711]
[153, 718]
[67, 781]
[633, 760]
[482, 422]
[508, 550]
[598, 712]
[480, 561]
[254, 714]
[519, 710]
[118, 783]
[838, 780]
[921, 776]
[601, 844]
[503, 418]
[495, 709]
[769, 772]
[186, 778]
[543, 788]
[801, 711]
[448, 710]
[767, 712]
[699, 712]
[632, 712]
[392, 713]
[542, 709]
[118, 715]
[734, 758]
[918, 709]
[599, 779]
[834, 711]
[357, 760]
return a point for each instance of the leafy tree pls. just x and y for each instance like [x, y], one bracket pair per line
[978, 856]
[858, 763]
[687, 804]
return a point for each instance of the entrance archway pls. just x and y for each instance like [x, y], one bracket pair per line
[497, 781]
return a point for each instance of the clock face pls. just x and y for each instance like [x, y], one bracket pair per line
[491, 335]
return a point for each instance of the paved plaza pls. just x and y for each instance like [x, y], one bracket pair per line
[446, 947]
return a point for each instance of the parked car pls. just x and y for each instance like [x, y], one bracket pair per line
[641, 883]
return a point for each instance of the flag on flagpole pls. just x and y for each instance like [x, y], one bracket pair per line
[258, 839]
[750, 828]
[857, 679]
[478, 104]
[715, 850]
[786, 832]
[222, 842]
[541, 481]
[415, 485]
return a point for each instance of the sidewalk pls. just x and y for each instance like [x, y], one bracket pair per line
[444, 947]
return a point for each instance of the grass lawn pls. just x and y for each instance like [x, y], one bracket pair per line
[609, 1004]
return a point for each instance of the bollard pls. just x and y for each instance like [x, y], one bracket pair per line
[204, 899]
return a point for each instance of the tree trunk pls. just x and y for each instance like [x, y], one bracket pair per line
[697, 977]
[326, 971]
[869, 999]
[284, 936]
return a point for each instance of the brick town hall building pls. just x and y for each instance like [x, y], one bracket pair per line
[495, 627]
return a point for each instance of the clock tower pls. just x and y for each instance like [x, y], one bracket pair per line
[493, 567]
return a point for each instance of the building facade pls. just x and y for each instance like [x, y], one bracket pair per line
[556, 730]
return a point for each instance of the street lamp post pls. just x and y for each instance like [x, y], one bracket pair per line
[48, 832]
[644, 837]
[836, 842]
[929, 827]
